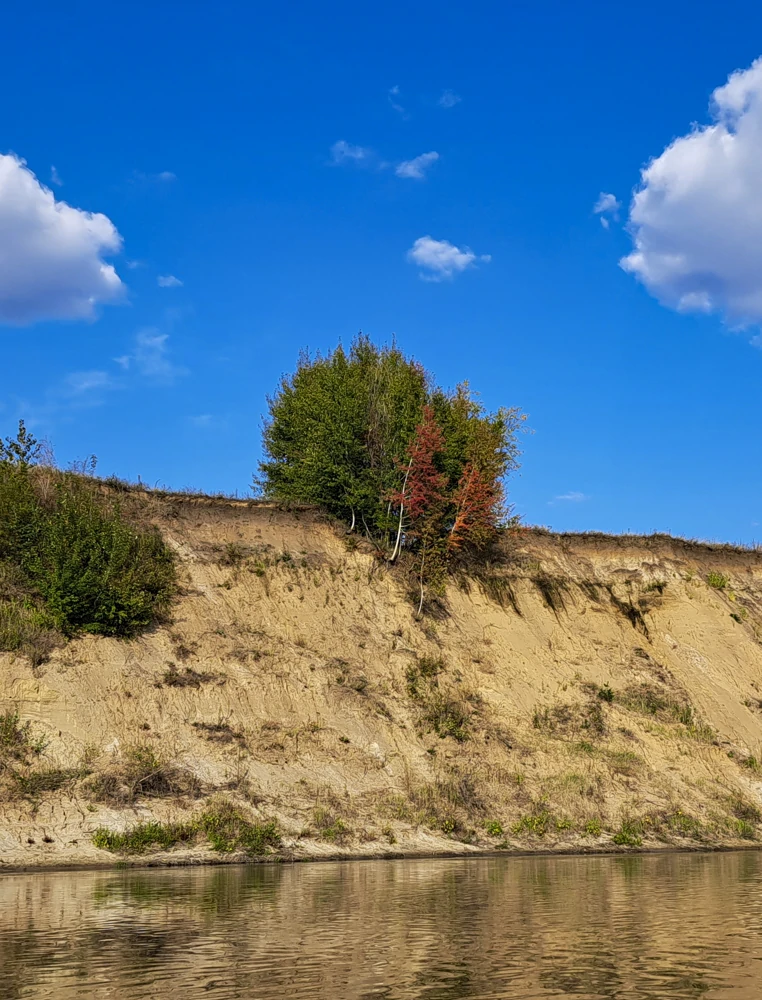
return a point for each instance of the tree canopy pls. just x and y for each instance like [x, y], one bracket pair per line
[369, 436]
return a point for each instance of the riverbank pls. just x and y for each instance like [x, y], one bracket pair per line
[579, 694]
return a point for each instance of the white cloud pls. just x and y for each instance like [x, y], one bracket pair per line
[150, 357]
[696, 219]
[79, 383]
[51, 255]
[440, 260]
[448, 99]
[394, 93]
[168, 281]
[573, 496]
[345, 152]
[417, 167]
[55, 177]
[607, 207]
[166, 176]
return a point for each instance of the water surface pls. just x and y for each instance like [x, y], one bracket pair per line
[645, 927]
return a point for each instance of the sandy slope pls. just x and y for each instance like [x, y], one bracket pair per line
[307, 646]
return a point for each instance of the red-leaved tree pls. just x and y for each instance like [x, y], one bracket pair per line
[422, 494]
[477, 502]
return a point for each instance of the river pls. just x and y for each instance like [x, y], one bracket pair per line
[641, 927]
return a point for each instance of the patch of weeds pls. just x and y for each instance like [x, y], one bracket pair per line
[186, 678]
[563, 719]
[624, 762]
[656, 585]
[34, 783]
[16, 740]
[744, 829]
[26, 629]
[183, 650]
[220, 732]
[593, 828]
[534, 824]
[648, 699]
[494, 828]
[139, 838]
[717, 580]
[227, 829]
[553, 590]
[388, 834]
[232, 555]
[606, 694]
[330, 827]
[140, 773]
[447, 716]
[684, 824]
[223, 824]
[426, 668]
[355, 682]
[447, 713]
[629, 834]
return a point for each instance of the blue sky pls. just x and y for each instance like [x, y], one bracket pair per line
[239, 232]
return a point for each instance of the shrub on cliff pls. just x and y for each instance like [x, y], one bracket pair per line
[76, 561]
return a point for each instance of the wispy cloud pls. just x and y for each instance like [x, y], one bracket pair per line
[55, 177]
[607, 207]
[150, 357]
[345, 152]
[79, 383]
[393, 96]
[208, 421]
[448, 99]
[417, 167]
[168, 281]
[440, 260]
[162, 177]
[573, 496]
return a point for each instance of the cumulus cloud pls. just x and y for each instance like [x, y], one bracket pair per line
[696, 219]
[440, 260]
[345, 152]
[448, 99]
[417, 167]
[168, 281]
[51, 255]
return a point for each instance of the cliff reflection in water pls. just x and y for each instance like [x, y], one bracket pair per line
[642, 927]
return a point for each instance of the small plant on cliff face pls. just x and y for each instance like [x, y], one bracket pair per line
[717, 580]
[629, 834]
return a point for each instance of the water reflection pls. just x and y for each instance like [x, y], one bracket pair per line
[651, 928]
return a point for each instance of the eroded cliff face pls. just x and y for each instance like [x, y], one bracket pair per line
[584, 692]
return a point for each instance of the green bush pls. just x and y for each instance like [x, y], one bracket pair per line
[225, 827]
[73, 560]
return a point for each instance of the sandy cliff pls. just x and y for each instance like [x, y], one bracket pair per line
[583, 692]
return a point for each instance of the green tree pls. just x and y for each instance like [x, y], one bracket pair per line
[340, 431]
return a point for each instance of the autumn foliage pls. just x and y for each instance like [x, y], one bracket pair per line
[369, 436]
